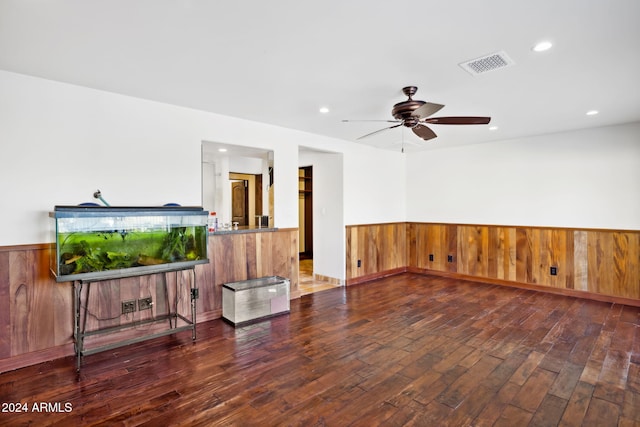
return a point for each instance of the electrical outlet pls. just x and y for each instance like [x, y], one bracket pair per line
[359, 263]
[449, 258]
[128, 306]
[145, 303]
[554, 271]
[430, 257]
[195, 294]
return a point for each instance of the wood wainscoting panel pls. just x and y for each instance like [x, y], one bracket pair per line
[40, 315]
[593, 262]
[380, 248]
[614, 263]
[439, 240]
[539, 249]
[580, 260]
[36, 312]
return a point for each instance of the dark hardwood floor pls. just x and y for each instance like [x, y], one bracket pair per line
[404, 350]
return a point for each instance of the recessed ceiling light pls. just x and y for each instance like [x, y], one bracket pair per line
[592, 112]
[542, 46]
[222, 150]
[324, 110]
[493, 128]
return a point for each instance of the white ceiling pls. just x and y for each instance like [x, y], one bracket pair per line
[279, 61]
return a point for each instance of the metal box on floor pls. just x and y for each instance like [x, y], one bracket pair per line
[252, 300]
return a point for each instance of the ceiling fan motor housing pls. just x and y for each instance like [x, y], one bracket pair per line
[403, 111]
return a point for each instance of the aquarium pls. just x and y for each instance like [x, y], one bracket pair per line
[99, 243]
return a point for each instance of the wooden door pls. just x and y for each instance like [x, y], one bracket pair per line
[239, 201]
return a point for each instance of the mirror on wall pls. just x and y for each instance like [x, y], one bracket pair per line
[237, 184]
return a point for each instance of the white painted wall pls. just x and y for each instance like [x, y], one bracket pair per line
[59, 143]
[583, 179]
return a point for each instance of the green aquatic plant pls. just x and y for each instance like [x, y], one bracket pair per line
[103, 250]
[88, 261]
[118, 260]
[175, 244]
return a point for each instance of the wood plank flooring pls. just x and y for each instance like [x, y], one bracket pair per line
[404, 350]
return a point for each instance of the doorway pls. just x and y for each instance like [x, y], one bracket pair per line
[240, 202]
[305, 211]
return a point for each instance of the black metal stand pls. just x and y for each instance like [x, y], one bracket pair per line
[80, 313]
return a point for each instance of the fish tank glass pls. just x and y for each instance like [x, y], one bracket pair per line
[100, 243]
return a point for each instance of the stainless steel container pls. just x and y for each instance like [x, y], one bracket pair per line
[253, 300]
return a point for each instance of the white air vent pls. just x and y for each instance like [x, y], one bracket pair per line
[487, 63]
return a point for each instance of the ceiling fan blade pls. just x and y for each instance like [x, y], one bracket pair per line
[387, 121]
[380, 130]
[424, 132]
[458, 120]
[427, 109]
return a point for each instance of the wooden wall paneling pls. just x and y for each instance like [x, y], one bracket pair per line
[5, 307]
[224, 259]
[394, 242]
[42, 328]
[523, 256]
[613, 263]
[563, 249]
[19, 295]
[434, 245]
[463, 250]
[146, 289]
[600, 254]
[502, 244]
[284, 255]
[379, 247]
[206, 282]
[495, 250]
[369, 246]
[240, 257]
[264, 254]
[536, 241]
[351, 244]
[417, 251]
[184, 292]
[31, 302]
[473, 248]
[251, 254]
[430, 239]
[450, 243]
[157, 285]
[412, 245]
[580, 261]
[627, 259]
[63, 312]
[20, 301]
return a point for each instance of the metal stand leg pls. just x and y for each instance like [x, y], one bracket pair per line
[78, 332]
[167, 301]
[77, 343]
[193, 304]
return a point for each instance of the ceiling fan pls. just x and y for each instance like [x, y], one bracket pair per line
[414, 114]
